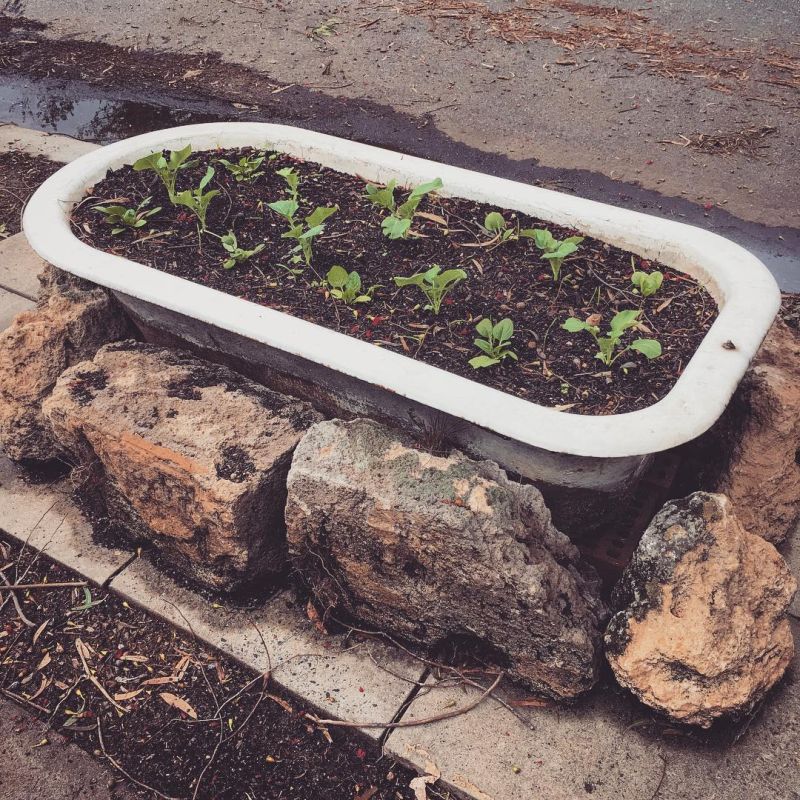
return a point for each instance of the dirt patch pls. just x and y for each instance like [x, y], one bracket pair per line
[190, 715]
[505, 280]
[20, 176]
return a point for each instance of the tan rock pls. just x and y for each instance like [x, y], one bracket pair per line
[188, 455]
[67, 326]
[434, 548]
[701, 629]
[762, 478]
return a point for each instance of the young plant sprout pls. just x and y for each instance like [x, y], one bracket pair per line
[346, 286]
[397, 223]
[610, 345]
[495, 344]
[555, 251]
[197, 200]
[647, 283]
[246, 169]
[434, 283]
[292, 182]
[124, 218]
[303, 232]
[236, 254]
[496, 225]
[166, 168]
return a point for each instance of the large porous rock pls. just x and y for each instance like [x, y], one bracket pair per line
[186, 454]
[430, 548]
[752, 454]
[700, 629]
[762, 476]
[70, 322]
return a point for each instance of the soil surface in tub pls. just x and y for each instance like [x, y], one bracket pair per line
[505, 280]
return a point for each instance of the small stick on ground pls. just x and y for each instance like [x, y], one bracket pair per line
[409, 723]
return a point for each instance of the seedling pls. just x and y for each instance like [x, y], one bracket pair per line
[302, 232]
[496, 225]
[246, 169]
[124, 218]
[346, 286]
[555, 251]
[609, 345]
[236, 254]
[648, 283]
[396, 225]
[435, 284]
[196, 200]
[495, 344]
[292, 181]
[4, 234]
[166, 168]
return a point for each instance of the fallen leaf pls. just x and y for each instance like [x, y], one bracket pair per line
[179, 703]
[315, 618]
[127, 695]
[39, 630]
[432, 217]
[45, 661]
[191, 73]
[135, 658]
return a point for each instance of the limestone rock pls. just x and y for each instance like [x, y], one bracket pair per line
[762, 478]
[68, 325]
[700, 629]
[187, 454]
[431, 548]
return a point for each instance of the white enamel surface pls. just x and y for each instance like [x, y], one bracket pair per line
[746, 292]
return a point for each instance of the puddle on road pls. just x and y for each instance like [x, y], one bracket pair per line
[63, 107]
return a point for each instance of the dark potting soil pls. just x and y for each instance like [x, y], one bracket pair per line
[555, 368]
[20, 176]
[191, 716]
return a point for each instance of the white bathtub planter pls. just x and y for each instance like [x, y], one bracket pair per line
[578, 455]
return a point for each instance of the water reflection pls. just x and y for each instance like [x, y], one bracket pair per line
[82, 112]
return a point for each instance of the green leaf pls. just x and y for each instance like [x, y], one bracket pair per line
[383, 197]
[544, 239]
[624, 320]
[651, 348]
[206, 178]
[482, 344]
[449, 276]
[148, 162]
[229, 264]
[494, 222]
[412, 280]
[395, 228]
[504, 330]
[485, 327]
[320, 214]
[483, 361]
[353, 284]
[337, 276]
[573, 325]
[425, 188]
[286, 208]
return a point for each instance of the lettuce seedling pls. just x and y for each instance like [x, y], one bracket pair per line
[292, 182]
[246, 169]
[434, 283]
[196, 200]
[166, 168]
[648, 283]
[608, 345]
[495, 344]
[555, 251]
[236, 254]
[346, 286]
[303, 232]
[124, 218]
[396, 225]
[496, 225]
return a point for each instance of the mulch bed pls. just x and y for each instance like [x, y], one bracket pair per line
[195, 724]
[555, 368]
[20, 176]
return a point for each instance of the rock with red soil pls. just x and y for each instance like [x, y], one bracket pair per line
[434, 548]
[70, 322]
[762, 478]
[186, 454]
[700, 629]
